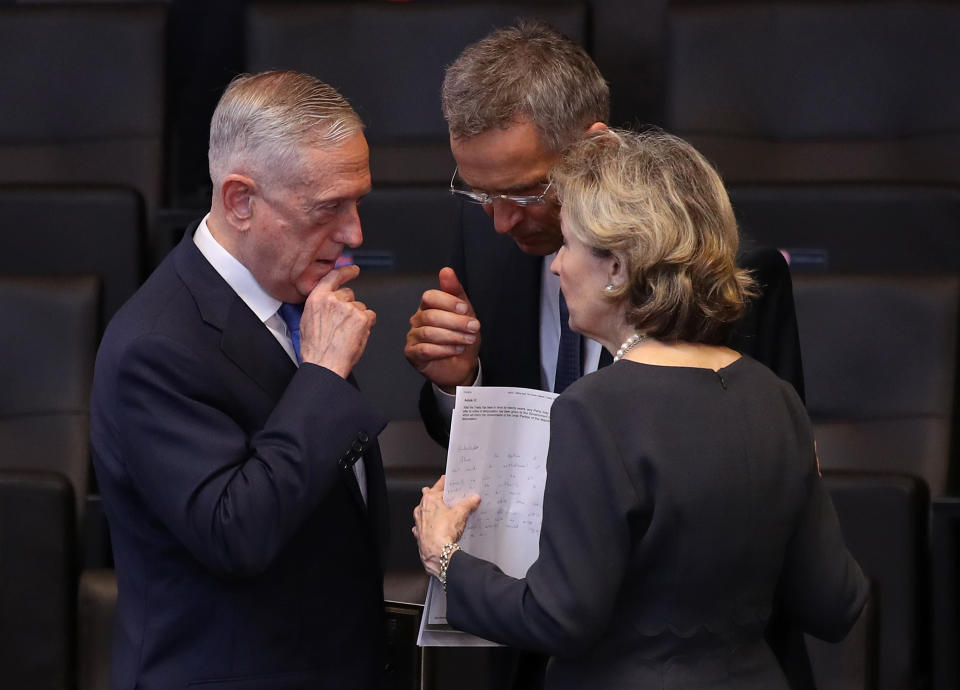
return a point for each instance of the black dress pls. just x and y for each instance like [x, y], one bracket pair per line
[677, 501]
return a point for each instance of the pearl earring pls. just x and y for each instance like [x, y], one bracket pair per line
[608, 287]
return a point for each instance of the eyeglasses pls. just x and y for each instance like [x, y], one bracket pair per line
[483, 198]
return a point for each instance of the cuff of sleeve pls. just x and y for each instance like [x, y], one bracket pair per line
[446, 401]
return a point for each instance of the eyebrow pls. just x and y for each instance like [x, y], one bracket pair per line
[312, 206]
[513, 189]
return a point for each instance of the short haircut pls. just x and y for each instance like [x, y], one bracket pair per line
[263, 121]
[525, 72]
[655, 204]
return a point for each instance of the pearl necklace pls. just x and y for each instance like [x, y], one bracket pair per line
[629, 344]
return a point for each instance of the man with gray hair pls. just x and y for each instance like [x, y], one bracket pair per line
[238, 463]
[513, 102]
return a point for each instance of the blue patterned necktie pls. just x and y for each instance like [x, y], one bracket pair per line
[291, 313]
[569, 365]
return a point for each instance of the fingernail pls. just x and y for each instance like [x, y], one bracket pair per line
[470, 338]
[459, 349]
[473, 326]
[461, 308]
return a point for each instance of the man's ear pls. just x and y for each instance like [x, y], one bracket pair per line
[236, 195]
[596, 126]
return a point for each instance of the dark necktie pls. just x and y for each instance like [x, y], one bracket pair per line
[291, 313]
[569, 365]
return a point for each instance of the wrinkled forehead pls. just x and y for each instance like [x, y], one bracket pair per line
[503, 159]
[343, 168]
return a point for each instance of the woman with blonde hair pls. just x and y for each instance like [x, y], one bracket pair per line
[682, 487]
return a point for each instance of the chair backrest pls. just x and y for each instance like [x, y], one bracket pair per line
[38, 572]
[82, 94]
[407, 229]
[819, 91]
[854, 227]
[52, 230]
[388, 59]
[47, 347]
[884, 522]
[879, 359]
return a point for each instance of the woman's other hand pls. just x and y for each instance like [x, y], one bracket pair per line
[436, 524]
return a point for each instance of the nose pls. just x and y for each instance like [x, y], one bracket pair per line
[350, 231]
[555, 264]
[505, 215]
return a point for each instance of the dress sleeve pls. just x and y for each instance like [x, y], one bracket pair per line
[566, 600]
[821, 586]
[232, 498]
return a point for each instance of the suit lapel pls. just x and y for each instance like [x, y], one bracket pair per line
[245, 340]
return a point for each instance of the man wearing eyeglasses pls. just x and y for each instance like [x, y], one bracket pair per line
[513, 102]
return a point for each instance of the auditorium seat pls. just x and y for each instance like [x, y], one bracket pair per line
[47, 347]
[71, 230]
[854, 227]
[817, 91]
[884, 518]
[388, 59]
[82, 94]
[879, 359]
[407, 229]
[37, 578]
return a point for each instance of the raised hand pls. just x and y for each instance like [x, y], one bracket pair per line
[335, 326]
[444, 336]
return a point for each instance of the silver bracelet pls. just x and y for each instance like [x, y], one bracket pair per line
[445, 553]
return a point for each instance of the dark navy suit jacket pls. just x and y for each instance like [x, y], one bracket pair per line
[245, 555]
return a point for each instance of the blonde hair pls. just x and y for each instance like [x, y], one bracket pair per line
[263, 122]
[654, 203]
[525, 72]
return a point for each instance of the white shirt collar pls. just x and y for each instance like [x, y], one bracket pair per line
[235, 273]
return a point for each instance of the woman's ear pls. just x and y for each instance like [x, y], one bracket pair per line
[617, 274]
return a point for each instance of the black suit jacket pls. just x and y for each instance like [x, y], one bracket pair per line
[245, 555]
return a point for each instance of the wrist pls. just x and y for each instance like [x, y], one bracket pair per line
[446, 553]
[469, 380]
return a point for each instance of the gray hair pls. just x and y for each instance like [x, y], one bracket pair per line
[528, 71]
[655, 203]
[263, 121]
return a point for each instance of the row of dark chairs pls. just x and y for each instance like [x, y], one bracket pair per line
[771, 92]
[881, 227]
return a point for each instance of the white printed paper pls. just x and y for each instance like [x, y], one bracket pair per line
[498, 448]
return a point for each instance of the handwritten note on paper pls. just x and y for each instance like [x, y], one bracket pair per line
[498, 449]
